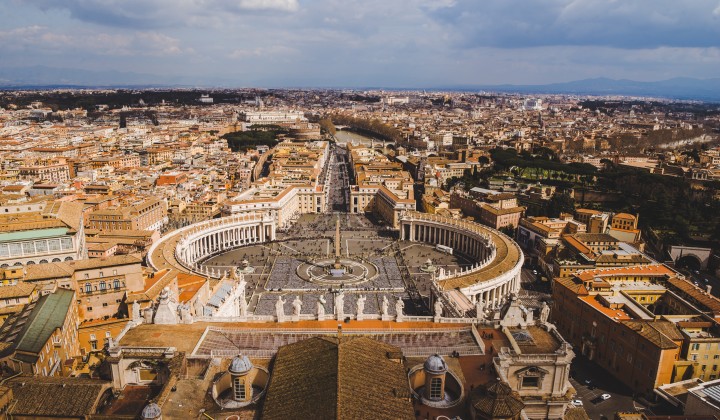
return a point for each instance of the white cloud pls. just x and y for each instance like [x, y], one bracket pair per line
[284, 5]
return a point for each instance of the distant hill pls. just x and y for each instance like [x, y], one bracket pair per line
[677, 88]
[51, 77]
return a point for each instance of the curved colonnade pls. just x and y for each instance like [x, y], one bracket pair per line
[184, 249]
[495, 274]
[499, 259]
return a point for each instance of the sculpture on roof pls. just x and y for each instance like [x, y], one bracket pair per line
[384, 306]
[399, 306]
[320, 307]
[243, 304]
[360, 306]
[340, 305]
[544, 313]
[438, 308]
[280, 308]
[297, 306]
[136, 311]
[480, 310]
[199, 309]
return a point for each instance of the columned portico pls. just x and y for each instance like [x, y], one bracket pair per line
[488, 248]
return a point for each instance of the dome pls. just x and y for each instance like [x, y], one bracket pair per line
[240, 364]
[151, 411]
[435, 364]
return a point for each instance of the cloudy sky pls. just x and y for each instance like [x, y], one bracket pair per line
[391, 43]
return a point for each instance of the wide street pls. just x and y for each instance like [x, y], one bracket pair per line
[600, 383]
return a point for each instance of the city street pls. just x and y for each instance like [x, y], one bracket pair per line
[600, 383]
[338, 183]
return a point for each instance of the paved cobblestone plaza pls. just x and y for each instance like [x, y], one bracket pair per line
[396, 266]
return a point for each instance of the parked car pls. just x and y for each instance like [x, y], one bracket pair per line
[605, 396]
[577, 403]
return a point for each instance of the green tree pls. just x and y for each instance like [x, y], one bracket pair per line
[508, 230]
[327, 126]
[561, 203]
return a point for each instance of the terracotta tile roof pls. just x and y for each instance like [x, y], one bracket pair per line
[21, 289]
[497, 400]
[655, 270]
[659, 333]
[575, 286]
[616, 314]
[709, 302]
[56, 396]
[349, 378]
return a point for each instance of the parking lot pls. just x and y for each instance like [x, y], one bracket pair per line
[600, 383]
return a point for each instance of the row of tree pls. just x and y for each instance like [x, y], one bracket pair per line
[265, 135]
[372, 127]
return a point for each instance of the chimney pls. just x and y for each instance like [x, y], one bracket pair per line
[708, 288]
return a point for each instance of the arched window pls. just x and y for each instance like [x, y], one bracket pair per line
[116, 284]
[88, 288]
[102, 285]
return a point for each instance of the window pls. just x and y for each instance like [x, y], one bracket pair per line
[530, 381]
[102, 285]
[435, 388]
[693, 357]
[93, 345]
[89, 308]
[114, 272]
[239, 389]
[116, 284]
[88, 288]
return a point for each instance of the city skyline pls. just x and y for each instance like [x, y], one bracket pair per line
[277, 43]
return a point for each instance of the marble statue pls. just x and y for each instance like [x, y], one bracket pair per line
[399, 306]
[148, 315]
[544, 313]
[384, 306]
[280, 308]
[480, 310]
[340, 304]
[360, 306]
[199, 308]
[185, 316]
[321, 307]
[297, 306]
[136, 311]
[243, 305]
[438, 308]
[241, 285]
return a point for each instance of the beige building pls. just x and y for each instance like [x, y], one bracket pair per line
[142, 214]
